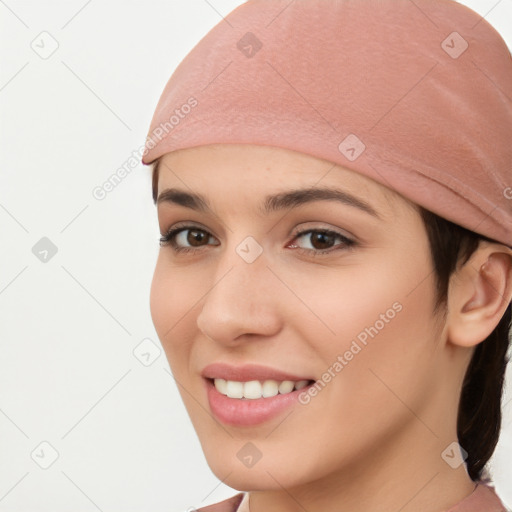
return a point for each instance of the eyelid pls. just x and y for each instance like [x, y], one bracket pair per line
[316, 226]
[184, 225]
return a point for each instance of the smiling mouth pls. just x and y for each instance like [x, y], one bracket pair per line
[256, 389]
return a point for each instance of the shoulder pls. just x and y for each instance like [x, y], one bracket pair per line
[230, 505]
[484, 497]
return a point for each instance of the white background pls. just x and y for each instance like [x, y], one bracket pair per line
[68, 327]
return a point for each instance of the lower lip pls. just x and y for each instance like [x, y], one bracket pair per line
[248, 412]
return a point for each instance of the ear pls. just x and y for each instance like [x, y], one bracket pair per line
[479, 294]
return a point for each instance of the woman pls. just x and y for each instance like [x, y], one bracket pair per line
[333, 288]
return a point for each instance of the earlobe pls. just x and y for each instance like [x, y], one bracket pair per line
[479, 295]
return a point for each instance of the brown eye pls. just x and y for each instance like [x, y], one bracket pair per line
[323, 241]
[185, 238]
[191, 238]
[195, 237]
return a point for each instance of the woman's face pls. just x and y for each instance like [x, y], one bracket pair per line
[355, 316]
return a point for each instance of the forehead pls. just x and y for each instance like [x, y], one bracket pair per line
[223, 171]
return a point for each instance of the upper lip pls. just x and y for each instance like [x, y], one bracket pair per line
[247, 372]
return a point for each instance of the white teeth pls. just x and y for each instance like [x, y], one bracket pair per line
[286, 386]
[221, 386]
[301, 384]
[252, 389]
[269, 389]
[234, 389]
[255, 389]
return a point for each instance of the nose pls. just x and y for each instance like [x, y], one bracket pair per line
[242, 300]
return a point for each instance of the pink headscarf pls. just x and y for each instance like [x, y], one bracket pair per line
[415, 94]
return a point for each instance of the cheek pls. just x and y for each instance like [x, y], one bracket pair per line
[384, 331]
[160, 299]
[376, 316]
[378, 298]
[172, 298]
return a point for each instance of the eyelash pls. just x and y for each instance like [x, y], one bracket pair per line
[169, 238]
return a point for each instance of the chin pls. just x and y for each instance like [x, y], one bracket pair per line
[271, 472]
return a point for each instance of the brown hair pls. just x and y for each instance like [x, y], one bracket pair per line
[479, 414]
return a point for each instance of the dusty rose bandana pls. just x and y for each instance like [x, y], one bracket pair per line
[415, 94]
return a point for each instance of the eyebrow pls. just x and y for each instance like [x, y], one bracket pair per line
[272, 203]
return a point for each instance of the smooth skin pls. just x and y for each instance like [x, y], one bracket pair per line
[372, 439]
